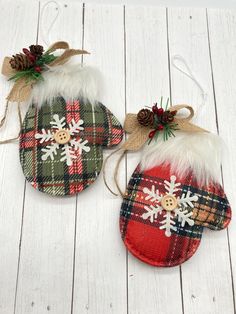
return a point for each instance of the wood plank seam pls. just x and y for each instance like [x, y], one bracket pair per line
[126, 161]
[20, 241]
[76, 202]
[23, 203]
[171, 101]
[222, 173]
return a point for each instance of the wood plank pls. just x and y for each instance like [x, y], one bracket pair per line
[47, 251]
[222, 25]
[100, 274]
[206, 276]
[149, 289]
[13, 36]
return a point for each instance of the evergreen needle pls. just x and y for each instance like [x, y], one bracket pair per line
[167, 103]
[161, 101]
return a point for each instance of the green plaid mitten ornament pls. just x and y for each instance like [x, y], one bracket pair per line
[66, 128]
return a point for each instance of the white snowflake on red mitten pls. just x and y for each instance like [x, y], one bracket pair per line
[180, 207]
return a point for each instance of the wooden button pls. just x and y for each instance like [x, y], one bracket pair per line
[169, 202]
[62, 136]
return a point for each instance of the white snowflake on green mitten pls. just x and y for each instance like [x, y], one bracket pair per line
[180, 207]
[59, 135]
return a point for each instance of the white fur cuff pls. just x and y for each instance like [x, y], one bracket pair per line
[70, 81]
[198, 152]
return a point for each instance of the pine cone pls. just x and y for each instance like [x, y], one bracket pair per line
[36, 50]
[167, 117]
[145, 117]
[20, 62]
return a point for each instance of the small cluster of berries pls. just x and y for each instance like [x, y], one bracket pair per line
[156, 119]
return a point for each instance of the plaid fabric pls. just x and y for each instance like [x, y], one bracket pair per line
[55, 177]
[146, 240]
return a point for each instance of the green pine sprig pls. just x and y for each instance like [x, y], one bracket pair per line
[31, 74]
[168, 128]
[45, 59]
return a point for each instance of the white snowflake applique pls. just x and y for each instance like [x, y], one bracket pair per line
[180, 207]
[63, 137]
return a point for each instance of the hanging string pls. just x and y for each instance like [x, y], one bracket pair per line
[185, 69]
[4, 115]
[188, 72]
[46, 39]
[104, 171]
[3, 120]
[45, 34]
[115, 177]
[116, 173]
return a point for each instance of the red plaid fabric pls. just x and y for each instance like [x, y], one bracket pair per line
[146, 238]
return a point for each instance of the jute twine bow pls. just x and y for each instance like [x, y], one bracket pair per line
[140, 134]
[22, 88]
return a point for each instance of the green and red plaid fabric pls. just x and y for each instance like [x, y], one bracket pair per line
[146, 240]
[55, 177]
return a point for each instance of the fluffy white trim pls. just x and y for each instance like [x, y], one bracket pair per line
[199, 152]
[71, 81]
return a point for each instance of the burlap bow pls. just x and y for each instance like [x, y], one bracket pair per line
[139, 135]
[22, 88]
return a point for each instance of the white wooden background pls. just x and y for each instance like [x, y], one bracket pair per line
[65, 256]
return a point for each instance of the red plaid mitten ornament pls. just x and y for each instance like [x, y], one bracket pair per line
[174, 192]
[65, 128]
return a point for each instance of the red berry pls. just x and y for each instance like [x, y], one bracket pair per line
[160, 127]
[154, 109]
[38, 69]
[29, 55]
[26, 51]
[151, 134]
[160, 111]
